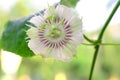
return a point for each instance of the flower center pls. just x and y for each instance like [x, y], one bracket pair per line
[54, 32]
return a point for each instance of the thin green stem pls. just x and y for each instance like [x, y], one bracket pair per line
[89, 40]
[109, 19]
[99, 40]
[103, 44]
[93, 62]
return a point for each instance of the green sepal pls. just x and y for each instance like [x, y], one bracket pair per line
[70, 3]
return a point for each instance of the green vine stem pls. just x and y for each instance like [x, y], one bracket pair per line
[89, 40]
[103, 44]
[99, 40]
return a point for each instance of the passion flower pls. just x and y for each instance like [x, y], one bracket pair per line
[56, 34]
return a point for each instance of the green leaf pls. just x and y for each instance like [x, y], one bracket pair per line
[13, 38]
[70, 3]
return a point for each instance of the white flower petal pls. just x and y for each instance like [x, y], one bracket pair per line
[32, 33]
[61, 55]
[70, 15]
[49, 12]
[36, 20]
[75, 22]
[70, 48]
[36, 46]
[65, 12]
[77, 40]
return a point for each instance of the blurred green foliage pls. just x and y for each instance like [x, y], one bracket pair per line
[37, 68]
[3, 19]
[20, 9]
